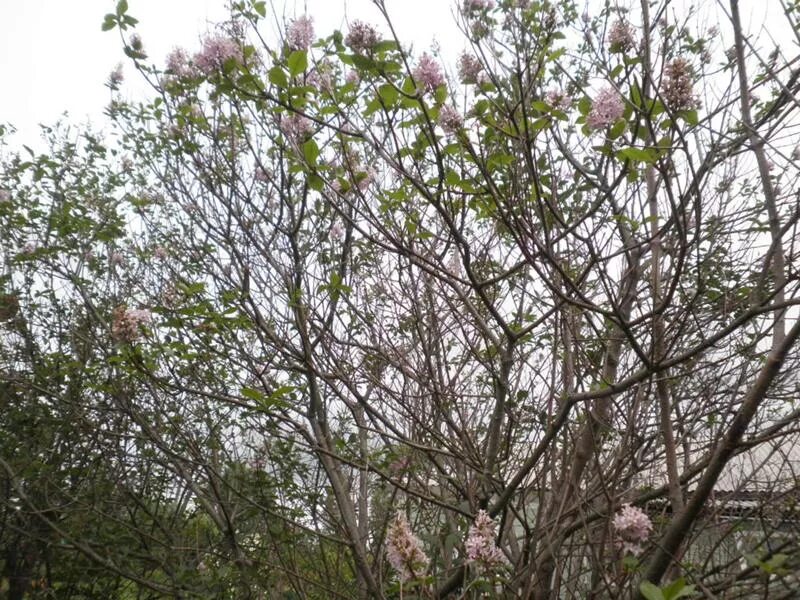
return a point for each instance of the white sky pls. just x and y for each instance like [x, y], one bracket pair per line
[55, 58]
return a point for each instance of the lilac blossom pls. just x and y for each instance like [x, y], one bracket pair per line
[470, 69]
[361, 38]
[450, 119]
[300, 33]
[480, 545]
[607, 107]
[126, 323]
[352, 77]
[633, 527]
[404, 550]
[116, 77]
[677, 86]
[116, 259]
[136, 43]
[428, 74]
[295, 127]
[5, 196]
[178, 63]
[558, 99]
[477, 5]
[217, 50]
[621, 37]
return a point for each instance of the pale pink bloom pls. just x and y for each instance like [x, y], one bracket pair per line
[296, 127]
[621, 37]
[216, 51]
[470, 69]
[607, 107]
[136, 42]
[365, 177]
[320, 80]
[428, 74]
[713, 31]
[116, 259]
[160, 252]
[352, 77]
[116, 77]
[450, 119]
[400, 465]
[30, 247]
[300, 33]
[480, 544]
[676, 87]
[558, 99]
[126, 323]
[362, 37]
[337, 232]
[261, 175]
[633, 527]
[5, 196]
[476, 5]
[178, 63]
[404, 550]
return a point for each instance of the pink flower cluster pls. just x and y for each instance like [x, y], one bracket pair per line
[558, 99]
[300, 33]
[404, 550]
[217, 50]
[450, 119]
[470, 69]
[116, 77]
[676, 87]
[361, 38]
[428, 74]
[480, 544]
[621, 37]
[476, 5]
[178, 63]
[607, 107]
[296, 127]
[633, 527]
[126, 322]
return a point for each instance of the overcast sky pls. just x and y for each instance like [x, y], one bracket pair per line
[55, 58]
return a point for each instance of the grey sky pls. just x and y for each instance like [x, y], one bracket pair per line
[55, 58]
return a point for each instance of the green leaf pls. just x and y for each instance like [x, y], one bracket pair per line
[651, 591]
[677, 589]
[252, 394]
[617, 129]
[311, 152]
[388, 94]
[315, 182]
[298, 62]
[690, 116]
[452, 178]
[646, 155]
[109, 22]
[277, 77]
[584, 105]
[260, 8]
[122, 7]
[384, 46]
[636, 96]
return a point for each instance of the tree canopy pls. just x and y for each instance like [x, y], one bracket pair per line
[324, 316]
